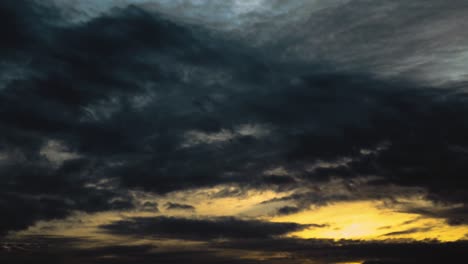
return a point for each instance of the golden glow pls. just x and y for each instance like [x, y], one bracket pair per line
[364, 220]
[371, 220]
[205, 200]
[207, 203]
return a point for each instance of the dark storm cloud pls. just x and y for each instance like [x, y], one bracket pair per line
[199, 229]
[34, 190]
[18, 30]
[73, 82]
[153, 104]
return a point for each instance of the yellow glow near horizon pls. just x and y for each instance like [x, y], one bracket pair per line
[364, 220]
[205, 201]
[370, 220]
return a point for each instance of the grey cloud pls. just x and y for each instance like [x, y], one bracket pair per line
[418, 39]
[356, 34]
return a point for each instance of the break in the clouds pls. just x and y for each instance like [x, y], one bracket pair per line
[233, 131]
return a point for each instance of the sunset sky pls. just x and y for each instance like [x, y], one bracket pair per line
[233, 131]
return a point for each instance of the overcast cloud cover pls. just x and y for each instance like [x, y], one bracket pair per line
[105, 105]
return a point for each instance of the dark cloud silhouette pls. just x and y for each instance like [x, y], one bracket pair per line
[200, 229]
[328, 251]
[288, 210]
[408, 231]
[56, 250]
[150, 207]
[177, 206]
[35, 190]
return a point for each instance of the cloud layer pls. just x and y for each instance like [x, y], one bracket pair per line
[127, 106]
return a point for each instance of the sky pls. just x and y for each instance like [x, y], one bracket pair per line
[262, 131]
